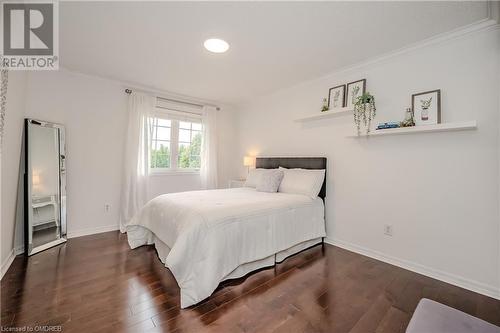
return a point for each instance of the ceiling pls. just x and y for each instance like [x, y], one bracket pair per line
[273, 44]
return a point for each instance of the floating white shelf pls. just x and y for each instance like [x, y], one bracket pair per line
[446, 127]
[326, 114]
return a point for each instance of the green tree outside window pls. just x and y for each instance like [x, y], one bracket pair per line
[189, 155]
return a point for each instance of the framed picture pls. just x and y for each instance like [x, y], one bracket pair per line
[354, 90]
[427, 107]
[336, 97]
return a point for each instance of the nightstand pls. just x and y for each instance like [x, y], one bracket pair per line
[234, 183]
[40, 214]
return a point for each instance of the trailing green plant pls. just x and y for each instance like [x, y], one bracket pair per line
[364, 111]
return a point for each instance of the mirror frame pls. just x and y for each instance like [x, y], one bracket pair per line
[28, 185]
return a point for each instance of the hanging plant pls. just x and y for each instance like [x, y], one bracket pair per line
[4, 77]
[364, 111]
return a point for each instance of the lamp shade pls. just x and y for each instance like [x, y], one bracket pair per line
[35, 178]
[248, 161]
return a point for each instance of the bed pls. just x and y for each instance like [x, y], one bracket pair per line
[206, 237]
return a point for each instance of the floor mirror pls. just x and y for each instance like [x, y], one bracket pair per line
[44, 185]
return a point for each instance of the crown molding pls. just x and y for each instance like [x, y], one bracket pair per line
[480, 26]
[148, 89]
[487, 24]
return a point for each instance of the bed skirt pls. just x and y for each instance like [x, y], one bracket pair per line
[163, 250]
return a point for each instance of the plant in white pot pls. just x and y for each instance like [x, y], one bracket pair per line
[364, 111]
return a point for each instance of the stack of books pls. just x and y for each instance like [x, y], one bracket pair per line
[391, 124]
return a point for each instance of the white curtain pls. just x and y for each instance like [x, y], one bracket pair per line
[208, 169]
[135, 184]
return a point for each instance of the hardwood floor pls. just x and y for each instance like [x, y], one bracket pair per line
[97, 284]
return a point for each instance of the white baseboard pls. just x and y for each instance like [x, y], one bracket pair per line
[6, 263]
[19, 250]
[92, 231]
[456, 280]
[72, 234]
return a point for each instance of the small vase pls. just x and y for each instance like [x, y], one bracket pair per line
[425, 114]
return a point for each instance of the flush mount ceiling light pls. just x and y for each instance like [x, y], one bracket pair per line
[216, 45]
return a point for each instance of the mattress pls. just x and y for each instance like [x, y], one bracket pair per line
[210, 236]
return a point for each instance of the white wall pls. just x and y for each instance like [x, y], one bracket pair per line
[93, 111]
[94, 114]
[11, 152]
[438, 190]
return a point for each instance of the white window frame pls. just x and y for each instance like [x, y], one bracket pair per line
[175, 117]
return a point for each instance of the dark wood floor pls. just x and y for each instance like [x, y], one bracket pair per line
[97, 284]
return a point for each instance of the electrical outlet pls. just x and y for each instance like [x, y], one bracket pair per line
[107, 208]
[388, 229]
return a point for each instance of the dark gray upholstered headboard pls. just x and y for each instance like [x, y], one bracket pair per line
[294, 162]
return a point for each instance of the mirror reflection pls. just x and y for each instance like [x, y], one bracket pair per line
[45, 223]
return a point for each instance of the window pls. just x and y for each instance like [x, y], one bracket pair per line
[189, 145]
[160, 143]
[175, 144]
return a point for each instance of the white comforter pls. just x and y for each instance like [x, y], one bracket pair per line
[211, 233]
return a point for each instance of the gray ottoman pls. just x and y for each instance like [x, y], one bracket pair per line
[434, 317]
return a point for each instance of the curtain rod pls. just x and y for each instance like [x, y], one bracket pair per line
[129, 91]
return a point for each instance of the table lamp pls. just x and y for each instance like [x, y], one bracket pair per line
[248, 161]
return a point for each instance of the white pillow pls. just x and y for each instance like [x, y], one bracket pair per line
[269, 180]
[252, 177]
[302, 181]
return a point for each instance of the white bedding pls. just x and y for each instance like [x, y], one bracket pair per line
[211, 233]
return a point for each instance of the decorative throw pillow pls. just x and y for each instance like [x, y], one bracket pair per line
[302, 181]
[269, 180]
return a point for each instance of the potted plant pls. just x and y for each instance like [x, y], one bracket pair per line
[364, 111]
[409, 120]
[325, 107]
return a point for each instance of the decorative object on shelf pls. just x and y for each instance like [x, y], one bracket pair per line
[427, 107]
[324, 108]
[390, 124]
[446, 127]
[364, 111]
[409, 120]
[336, 97]
[354, 90]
